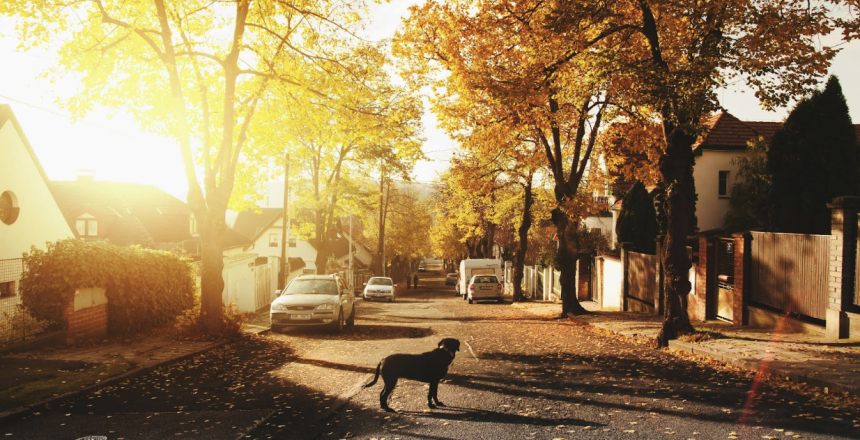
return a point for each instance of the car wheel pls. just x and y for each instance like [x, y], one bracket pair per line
[277, 329]
[501, 300]
[351, 320]
[337, 325]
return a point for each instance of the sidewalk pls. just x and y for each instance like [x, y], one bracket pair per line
[802, 358]
[141, 356]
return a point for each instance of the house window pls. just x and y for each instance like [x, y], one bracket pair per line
[192, 225]
[292, 242]
[273, 240]
[7, 289]
[87, 226]
[723, 186]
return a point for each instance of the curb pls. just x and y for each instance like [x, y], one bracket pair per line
[16, 412]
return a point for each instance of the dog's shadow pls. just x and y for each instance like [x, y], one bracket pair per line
[459, 414]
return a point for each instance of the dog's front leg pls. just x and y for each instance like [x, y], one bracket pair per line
[432, 397]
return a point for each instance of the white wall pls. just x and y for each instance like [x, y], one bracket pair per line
[239, 284]
[39, 219]
[711, 209]
[612, 289]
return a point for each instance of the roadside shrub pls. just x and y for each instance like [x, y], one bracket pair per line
[188, 326]
[145, 288]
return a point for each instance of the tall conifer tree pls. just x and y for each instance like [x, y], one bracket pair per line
[813, 158]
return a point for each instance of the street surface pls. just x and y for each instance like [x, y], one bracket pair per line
[520, 375]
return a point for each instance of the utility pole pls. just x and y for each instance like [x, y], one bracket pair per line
[285, 227]
[351, 275]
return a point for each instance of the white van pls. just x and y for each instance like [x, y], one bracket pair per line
[470, 268]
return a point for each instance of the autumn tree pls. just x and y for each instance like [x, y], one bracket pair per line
[337, 133]
[523, 64]
[196, 71]
[410, 220]
[515, 164]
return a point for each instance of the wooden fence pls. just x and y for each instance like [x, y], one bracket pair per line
[789, 272]
[642, 277]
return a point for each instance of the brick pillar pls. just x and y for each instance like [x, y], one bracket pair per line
[843, 254]
[741, 297]
[85, 323]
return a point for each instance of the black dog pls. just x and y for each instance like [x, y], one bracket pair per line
[429, 367]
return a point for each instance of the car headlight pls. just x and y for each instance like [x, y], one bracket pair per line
[279, 306]
[326, 306]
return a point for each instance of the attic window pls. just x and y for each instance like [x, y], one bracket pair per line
[87, 226]
[8, 207]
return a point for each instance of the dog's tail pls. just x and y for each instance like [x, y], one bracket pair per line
[376, 377]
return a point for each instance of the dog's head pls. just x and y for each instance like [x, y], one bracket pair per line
[450, 345]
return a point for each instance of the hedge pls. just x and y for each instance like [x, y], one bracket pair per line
[145, 288]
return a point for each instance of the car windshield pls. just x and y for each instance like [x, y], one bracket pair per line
[379, 282]
[302, 287]
[485, 279]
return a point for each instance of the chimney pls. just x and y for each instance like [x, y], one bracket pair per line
[86, 175]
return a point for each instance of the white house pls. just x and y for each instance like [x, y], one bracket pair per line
[714, 172]
[29, 214]
[264, 229]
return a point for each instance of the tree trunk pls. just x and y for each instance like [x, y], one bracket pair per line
[211, 272]
[566, 257]
[677, 169]
[523, 231]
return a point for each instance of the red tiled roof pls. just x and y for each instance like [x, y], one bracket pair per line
[726, 132]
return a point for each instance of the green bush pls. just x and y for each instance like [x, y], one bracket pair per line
[145, 288]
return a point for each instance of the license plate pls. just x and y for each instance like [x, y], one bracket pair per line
[486, 287]
[300, 316]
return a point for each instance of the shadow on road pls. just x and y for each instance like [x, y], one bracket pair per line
[456, 413]
[362, 333]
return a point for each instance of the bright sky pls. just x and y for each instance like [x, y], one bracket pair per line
[112, 146]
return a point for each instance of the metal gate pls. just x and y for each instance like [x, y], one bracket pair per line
[725, 264]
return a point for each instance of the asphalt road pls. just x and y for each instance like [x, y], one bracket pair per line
[518, 376]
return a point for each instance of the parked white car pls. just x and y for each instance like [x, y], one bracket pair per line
[484, 288]
[379, 288]
[314, 300]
